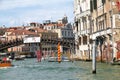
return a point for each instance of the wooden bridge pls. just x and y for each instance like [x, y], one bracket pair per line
[16, 42]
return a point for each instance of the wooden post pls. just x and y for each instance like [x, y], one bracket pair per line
[59, 53]
[94, 58]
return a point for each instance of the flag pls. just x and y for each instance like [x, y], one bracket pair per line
[39, 55]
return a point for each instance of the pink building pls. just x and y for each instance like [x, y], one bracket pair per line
[17, 34]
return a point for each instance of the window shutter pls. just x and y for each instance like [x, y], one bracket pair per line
[95, 4]
[103, 1]
[91, 5]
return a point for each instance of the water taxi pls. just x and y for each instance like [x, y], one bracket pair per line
[5, 64]
[4, 60]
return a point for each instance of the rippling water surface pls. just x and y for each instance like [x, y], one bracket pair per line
[30, 69]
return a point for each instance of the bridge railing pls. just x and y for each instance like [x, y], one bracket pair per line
[19, 41]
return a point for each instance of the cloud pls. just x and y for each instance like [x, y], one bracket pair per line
[11, 4]
[19, 12]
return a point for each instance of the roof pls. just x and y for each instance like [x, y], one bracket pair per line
[59, 25]
[40, 30]
[50, 24]
[22, 32]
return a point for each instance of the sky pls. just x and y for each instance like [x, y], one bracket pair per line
[21, 12]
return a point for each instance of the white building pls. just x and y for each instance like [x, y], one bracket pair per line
[62, 27]
[82, 28]
[65, 32]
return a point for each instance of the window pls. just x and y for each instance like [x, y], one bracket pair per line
[72, 34]
[68, 33]
[62, 33]
[79, 40]
[65, 33]
[84, 39]
[99, 3]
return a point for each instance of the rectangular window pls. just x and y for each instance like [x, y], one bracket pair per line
[65, 33]
[85, 40]
[79, 40]
[95, 4]
[68, 33]
[99, 3]
[62, 33]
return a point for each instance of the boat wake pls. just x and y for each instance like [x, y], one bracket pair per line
[26, 66]
[4, 67]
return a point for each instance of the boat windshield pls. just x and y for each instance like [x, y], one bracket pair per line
[3, 56]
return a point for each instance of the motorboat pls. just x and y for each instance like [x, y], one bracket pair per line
[20, 57]
[5, 64]
[55, 59]
[4, 60]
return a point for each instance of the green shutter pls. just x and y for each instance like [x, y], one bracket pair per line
[95, 4]
[91, 5]
[103, 1]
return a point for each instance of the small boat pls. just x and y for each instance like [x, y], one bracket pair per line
[52, 59]
[115, 63]
[5, 64]
[65, 59]
[55, 59]
[4, 60]
[19, 58]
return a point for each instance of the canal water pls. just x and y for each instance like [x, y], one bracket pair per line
[30, 69]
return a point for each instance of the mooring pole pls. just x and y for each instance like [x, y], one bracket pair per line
[59, 53]
[94, 58]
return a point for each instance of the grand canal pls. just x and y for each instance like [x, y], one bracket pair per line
[30, 69]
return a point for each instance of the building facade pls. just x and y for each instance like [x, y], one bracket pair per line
[103, 28]
[18, 34]
[82, 28]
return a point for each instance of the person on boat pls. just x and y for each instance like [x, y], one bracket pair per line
[4, 59]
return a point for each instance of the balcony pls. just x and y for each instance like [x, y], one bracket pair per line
[85, 32]
[101, 33]
[87, 12]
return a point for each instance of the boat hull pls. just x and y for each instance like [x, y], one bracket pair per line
[5, 64]
[55, 59]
